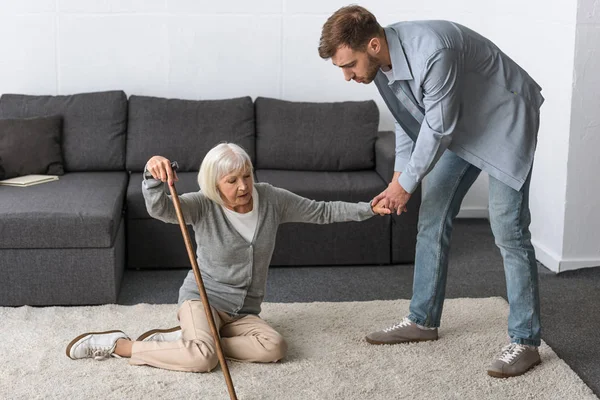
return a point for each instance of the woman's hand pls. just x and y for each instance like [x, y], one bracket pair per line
[381, 209]
[160, 168]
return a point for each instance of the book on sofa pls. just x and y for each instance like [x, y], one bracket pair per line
[28, 180]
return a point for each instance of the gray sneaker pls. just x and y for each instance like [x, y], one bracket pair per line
[515, 360]
[404, 332]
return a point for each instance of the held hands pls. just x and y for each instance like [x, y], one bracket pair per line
[160, 168]
[394, 197]
[380, 209]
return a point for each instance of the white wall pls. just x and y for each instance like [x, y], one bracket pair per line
[581, 246]
[218, 49]
[548, 186]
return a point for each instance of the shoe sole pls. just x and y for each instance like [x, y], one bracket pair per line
[153, 331]
[497, 374]
[78, 338]
[371, 341]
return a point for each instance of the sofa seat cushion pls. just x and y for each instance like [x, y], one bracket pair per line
[328, 186]
[81, 209]
[136, 206]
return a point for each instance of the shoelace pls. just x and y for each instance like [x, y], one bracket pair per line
[404, 323]
[100, 353]
[511, 351]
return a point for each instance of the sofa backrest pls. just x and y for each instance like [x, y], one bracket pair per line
[185, 130]
[94, 125]
[315, 136]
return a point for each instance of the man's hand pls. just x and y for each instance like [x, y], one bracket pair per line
[394, 197]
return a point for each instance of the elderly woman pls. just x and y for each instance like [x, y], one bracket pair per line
[235, 223]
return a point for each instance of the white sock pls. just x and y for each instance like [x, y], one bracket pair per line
[425, 328]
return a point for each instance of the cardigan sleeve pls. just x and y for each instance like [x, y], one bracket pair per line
[294, 208]
[160, 205]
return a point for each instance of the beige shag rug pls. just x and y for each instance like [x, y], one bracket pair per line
[328, 357]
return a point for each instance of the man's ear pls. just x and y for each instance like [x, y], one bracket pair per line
[374, 46]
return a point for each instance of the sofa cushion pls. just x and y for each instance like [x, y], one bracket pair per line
[136, 206]
[328, 186]
[315, 136]
[94, 126]
[185, 130]
[79, 210]
[30, 146]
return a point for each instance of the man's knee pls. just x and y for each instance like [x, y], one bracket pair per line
[507, 233]
[434, 221]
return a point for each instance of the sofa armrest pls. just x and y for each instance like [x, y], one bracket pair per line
[385, 151]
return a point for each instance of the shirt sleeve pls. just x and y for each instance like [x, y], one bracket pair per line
[294, 208]
[404, 147]
[442, 106]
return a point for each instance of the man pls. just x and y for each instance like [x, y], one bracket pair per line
[461, 106]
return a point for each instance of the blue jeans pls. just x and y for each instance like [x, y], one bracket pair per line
[443, 191]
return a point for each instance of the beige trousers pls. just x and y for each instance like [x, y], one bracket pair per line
[248, 338]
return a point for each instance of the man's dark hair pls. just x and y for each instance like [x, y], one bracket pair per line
[353, 26]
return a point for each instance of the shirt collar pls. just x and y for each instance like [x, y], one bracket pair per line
[400, 68]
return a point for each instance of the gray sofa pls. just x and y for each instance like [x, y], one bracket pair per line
[68, 242]
[63, 242]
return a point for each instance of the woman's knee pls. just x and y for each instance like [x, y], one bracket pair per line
[203, 357]
[275, 348]
[204, 363]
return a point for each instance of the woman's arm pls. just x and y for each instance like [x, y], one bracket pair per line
[294, 208]
[159, 204]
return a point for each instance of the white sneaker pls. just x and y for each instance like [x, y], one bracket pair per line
[161, 335]
[96, 345]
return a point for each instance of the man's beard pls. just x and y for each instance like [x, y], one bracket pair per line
[372, 69]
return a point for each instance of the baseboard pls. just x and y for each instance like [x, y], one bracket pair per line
[474, 212]
[548, 259]
[557, 264]
[579, 263]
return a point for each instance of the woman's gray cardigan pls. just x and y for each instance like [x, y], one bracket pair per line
[233, 270]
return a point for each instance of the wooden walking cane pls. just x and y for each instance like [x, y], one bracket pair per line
[200, 283]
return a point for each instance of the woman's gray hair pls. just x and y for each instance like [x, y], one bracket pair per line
[221, 160]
